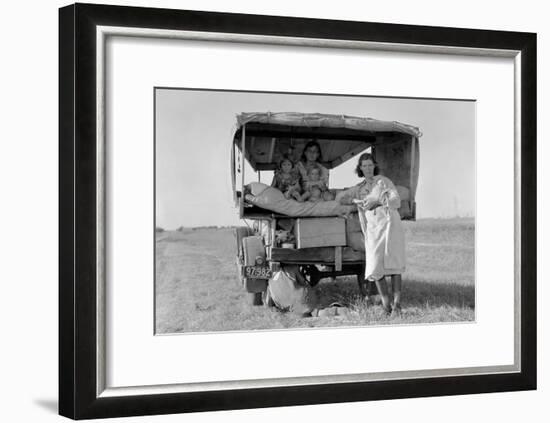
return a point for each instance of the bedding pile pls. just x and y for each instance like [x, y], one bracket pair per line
[270, 198]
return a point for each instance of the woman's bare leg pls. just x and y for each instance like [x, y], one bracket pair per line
[389, 284]
[396, 287]
[383, 291]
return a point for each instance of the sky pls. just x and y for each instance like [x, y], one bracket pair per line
[194, 132]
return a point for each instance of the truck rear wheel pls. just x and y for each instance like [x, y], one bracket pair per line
[240, 233]
[254, 298]
[253, 254]
[311, 274]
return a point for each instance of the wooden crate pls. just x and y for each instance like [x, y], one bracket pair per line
[320, 232]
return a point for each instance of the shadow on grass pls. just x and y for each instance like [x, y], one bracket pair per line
[420, 294]
[414, 293]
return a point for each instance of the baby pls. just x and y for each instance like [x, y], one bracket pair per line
[315, 189]
[314, 195]
[287, 180]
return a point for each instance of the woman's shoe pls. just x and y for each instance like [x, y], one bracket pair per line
[387, 310]
[368, 301]
[376, 299]
[396, 310]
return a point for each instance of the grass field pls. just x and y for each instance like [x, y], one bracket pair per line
[197, 288]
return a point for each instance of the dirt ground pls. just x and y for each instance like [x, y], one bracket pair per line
[197, 289]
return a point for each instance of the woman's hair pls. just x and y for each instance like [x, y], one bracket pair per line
[365, 156]
[312, 143]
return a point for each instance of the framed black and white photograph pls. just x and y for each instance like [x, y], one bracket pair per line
[300, 241]
[267, 211]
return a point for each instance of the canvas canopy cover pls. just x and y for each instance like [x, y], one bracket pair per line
[270, 136]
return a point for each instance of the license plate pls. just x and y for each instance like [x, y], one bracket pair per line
[257, 272]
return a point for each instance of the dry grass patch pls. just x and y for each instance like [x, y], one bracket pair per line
[197, 290]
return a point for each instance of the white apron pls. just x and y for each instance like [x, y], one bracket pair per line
[384, 235]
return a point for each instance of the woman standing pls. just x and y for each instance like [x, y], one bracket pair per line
[377, 203]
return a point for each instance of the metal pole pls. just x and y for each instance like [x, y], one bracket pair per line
[233, 174]
[243, 137]
[243, 152]
[411, 184]
[413, 159]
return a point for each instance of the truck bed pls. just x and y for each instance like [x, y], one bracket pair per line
[325, 255]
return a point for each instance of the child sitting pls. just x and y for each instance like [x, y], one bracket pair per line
[314, 195]
[287, 180]
[314, 187]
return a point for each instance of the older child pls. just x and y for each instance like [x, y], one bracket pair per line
[287, 180]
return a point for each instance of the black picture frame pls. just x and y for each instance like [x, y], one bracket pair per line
[78, 398]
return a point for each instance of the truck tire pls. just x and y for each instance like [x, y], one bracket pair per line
[310, 274]
[240, 233]
[254, 298]
[253, 248]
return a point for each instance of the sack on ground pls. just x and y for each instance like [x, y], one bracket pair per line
[289, 291]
